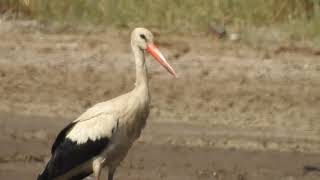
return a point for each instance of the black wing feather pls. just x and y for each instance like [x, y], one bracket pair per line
[67, 154]
[61, 136]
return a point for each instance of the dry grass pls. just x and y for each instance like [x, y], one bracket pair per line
[299, 18]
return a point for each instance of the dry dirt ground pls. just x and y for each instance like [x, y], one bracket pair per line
[234, 113]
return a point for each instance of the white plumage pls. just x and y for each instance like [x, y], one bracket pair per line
[103, 134]
[100, 125]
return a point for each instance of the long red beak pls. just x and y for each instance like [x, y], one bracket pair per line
[155, 52]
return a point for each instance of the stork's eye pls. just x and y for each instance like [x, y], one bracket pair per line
[143, 37]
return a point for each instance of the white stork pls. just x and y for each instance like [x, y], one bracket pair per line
[102, 136]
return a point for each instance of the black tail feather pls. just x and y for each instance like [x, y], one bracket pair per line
[45, 174]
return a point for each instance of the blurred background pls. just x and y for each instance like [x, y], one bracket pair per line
[246, 104]
[299, 19]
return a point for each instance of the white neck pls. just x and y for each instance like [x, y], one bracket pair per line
[141, 69]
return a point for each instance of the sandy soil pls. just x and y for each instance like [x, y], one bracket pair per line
[234, 112]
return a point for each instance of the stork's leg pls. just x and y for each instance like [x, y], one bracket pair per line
[97, 173]
[111, 173]
[98, 177]
[97, 166]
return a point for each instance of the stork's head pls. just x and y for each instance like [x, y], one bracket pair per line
[143, 39]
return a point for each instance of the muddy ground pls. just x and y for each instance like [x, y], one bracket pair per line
[235, 112]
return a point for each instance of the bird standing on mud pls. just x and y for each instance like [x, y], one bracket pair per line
[103, 135]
